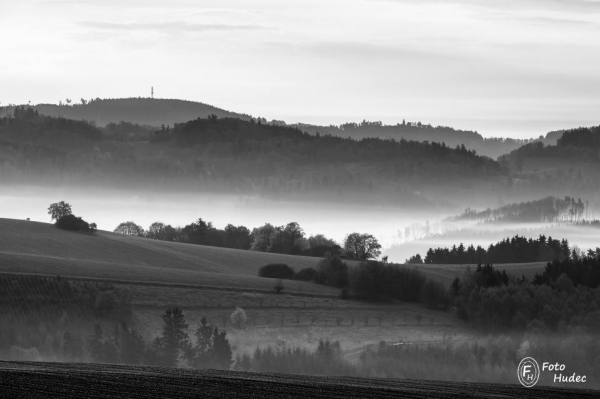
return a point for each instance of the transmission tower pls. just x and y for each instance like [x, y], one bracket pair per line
[152, 92]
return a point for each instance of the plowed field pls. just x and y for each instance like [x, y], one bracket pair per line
[49, 380]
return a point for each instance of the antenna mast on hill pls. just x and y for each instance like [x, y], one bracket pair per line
[152, 92]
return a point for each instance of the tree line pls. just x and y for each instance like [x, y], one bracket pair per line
[517, 249]
[289, 239]
[208, 348]
[549, 209]
[561, 298]
[62, 213]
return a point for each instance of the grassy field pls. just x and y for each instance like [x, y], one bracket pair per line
[61, 380]
[32, 247]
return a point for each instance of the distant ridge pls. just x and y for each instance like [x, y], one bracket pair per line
[490, 147]
[143, 111]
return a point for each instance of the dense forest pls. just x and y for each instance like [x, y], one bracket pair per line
[581, 143]
[510, 250]
[564, 296]
[232, 155]
[549, 209]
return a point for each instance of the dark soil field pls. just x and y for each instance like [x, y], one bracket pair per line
[60, 380]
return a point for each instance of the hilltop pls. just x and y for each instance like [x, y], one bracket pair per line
[143, 111]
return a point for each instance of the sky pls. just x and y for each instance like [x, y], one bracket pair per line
[509, 68]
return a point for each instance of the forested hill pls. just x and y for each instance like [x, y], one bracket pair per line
[582, 143]
[416, 131]
[143, 111]
[545, 210]
[292, 149]
[576, 145]
[571, 167]
[243, 157]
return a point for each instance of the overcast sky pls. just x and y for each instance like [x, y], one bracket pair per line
[516, 68]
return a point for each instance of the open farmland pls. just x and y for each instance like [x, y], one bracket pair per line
[44, 380]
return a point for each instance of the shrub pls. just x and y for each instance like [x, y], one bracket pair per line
[276, 270]
[72, 223]
[306, 274]
[333, 272]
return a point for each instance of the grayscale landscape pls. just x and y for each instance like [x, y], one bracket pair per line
[367, 198]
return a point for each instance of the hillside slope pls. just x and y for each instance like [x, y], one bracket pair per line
[144, 111]
[41, 248]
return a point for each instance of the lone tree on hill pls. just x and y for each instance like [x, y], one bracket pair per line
[362, 246]
[59, 209]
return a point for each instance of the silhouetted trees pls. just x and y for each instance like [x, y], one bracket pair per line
[74, 223]
[129, 228]
[549, 209]
[362, 246]
[59, 209]
[211, 349]
[331, 271]
[584, 271]
[510, 250]
[173, 342]
[376, 281]
[494, 301]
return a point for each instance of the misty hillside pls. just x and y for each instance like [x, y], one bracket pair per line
[416, 131]
[570, 167]
[235, 156]
[545, 210]
[575, 148]
[143, 111]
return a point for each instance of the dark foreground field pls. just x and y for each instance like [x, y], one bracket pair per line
[43, 380]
